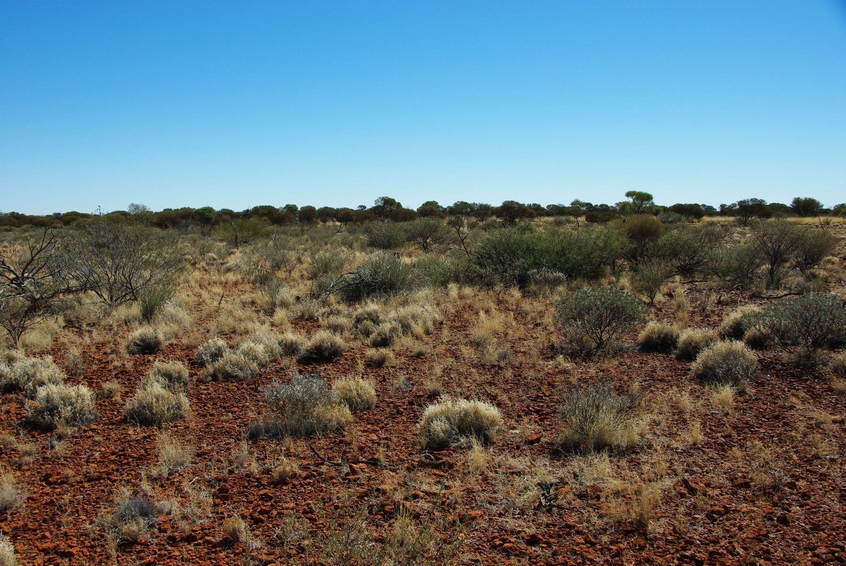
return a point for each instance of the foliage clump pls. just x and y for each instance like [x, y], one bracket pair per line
[595, 317]
[595, 417]
[450, 421]
[726, 363]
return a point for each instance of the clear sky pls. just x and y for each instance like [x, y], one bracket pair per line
[235, 104]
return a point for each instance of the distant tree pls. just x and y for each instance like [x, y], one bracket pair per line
[308, 214]
[430, 208]
[326, 213]
[511, 211]
[641, 202]
[384, 206]
[806, 206]
[746, 209]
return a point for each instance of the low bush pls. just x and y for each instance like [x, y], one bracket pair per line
[210, 352]
[385, 335]
[738, 321]
[28, 374]
[597, 316]
[133, 517]
[649, 276]
[233, 366]
[7, 552]
[358, 394]
[726, 363]
[291, 344]
[450, 421]
[322, 347]
[386, 235]
[658, 337]
[155, 404]
[595, 417]
[811, 321]
[692, 341]
[379, 358]
[838, 365]
[57, 405]
[381, 275]
[145, 340]
[173, 374]
[302, 407]
[11, 496]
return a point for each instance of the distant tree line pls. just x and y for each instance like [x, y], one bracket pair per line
[389, 209]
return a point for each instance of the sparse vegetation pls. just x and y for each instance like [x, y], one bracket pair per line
[450, 421]
[726, 363]
[658, 337]
[145, 340]
[155, 404]
[58, 405]
[598, 316]
[596, 417]
[357, 393]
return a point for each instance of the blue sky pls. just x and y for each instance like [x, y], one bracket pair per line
[235, 104]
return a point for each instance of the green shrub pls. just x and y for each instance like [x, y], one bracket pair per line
[736, 265]
[585, 253]
[726, 363]
[812, 246]
[686, 251]
[386, 235]
[658, 337]
[450, 421]
[382, 274]
[811, 321]
[641, 230]
[776, 243]
[694, 340]
[595, 417]
[738, 321]
[58, 405]
[598, 315]
[648, 277]
[153, 299]
[507, 256]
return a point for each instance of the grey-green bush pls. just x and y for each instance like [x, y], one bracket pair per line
[726, 363]
[598, 315]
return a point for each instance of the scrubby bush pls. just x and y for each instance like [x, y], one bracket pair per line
[386, 235]
[685, 250]
[233, 366]
[694, 340]
[738, 322]
[359, 394]
[302, 407]
[322, 347]
[595, 417]
[598, 315]
[385, 334]
[382, 274]
[450, 421]
[28, 374]
[145, 340]
[11, 496]
[648, 277]
[658, 337]
[641, 230]
[776, 243]
[811, 321]
[291, 344]
[173, 374]
[726, 363]
[58, 405]
[379, 358]
[812, 246]
[210, 352]
[838, 365]
[133, 517]
[155, 404]
[736, 265]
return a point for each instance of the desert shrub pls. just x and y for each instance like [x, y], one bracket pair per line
[726, 363]
[810, 321]
[359, 394]
[152, 300]
[337, 324]
[812, 246]
[776, 243]
[507, 256]
[11, 496]
[440, 271]
[155, 404]
[586, 253]
[233, 366]
[210, 352]
[173, 374]
[758, 338]
[28, 374]
[7, 552]
[450, 421]
[838, 365]
[641, 230]
[658, 337]
[648, 277]
[119, 262]
[686, 251]
[425, 232]
[598, 315]
[58, 405]
[379, 358]
[692, 341]
[261, 349]
[322, 347]
[302, 407]
[385, 334]
[738, 321]
[386, 235]
[595, 417]
[133, 517]
[382, 274]
[327, 264]
[736, 265]
[291, 344]
[145, 340]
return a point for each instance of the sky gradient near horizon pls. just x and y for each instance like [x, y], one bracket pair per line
[233, 104]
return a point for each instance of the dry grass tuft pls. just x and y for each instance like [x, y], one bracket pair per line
[322, 347]
[28, 374]
[211, 352]
[144, 340]
[692, 341]
[736, 323]
[155, 404]
[7, 552]
[379, 358]
[595, 417]
[173, 455]
[450, 421]
[57, 405]
[726, 363]
[11, 496]
[173, 374]
[658, 337]
[358, 394]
